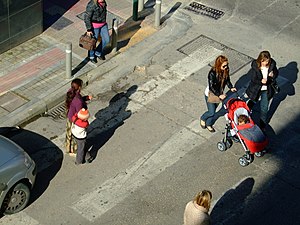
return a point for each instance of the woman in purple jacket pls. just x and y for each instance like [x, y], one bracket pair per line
[74, 102]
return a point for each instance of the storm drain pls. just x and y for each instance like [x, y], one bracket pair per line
[204, 10]
[237, 60]
[58, 112]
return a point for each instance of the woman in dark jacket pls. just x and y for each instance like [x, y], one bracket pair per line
[263, 75]
[95, 22]
[218, 78]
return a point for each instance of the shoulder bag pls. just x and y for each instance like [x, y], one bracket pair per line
[212, 98]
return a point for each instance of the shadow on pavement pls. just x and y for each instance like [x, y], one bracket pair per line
[232, 203]
[288, 75]
[277, 200]
[55, 9]
[108, 120]
[130, 27]
[46, 155]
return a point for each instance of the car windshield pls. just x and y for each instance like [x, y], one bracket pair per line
[8, 150]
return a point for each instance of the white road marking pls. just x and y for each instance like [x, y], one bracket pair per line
[113, 191]
[181, 70]
[94, 204]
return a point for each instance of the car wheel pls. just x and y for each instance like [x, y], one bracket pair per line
[16, 199]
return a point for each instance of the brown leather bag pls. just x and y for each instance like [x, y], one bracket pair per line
[213, 98]
[87, 42]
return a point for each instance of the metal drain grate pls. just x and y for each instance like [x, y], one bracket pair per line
[58, 112]
[200, 9]
[237, 60]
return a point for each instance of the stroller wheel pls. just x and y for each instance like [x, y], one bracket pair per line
[243, 162]
[228, 142]
[221, 146]
[260, 154]
[249, 157]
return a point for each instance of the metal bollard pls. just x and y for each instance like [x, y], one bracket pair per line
[114, 36]
[69, 60]
[135, 10]
[141, 5]
[157, 13]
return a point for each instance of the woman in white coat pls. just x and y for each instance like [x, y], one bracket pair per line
[196, 211]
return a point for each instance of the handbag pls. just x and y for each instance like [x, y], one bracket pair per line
[275, 88]
[212, 98]
[87, 42]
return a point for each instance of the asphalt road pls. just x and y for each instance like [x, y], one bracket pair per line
[152, 157]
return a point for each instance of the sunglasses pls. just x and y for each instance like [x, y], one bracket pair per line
[225, 66]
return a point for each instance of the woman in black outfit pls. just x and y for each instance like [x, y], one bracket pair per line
[218, 78]
[262, 85]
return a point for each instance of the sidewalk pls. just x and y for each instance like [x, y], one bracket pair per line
[32, 77]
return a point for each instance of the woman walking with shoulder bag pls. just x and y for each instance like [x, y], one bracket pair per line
[262, 86]
[95, 22]
[218, 78]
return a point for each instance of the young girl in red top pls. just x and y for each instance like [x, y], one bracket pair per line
[79, 127]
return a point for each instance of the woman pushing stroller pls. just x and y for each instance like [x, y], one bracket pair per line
[218, 78]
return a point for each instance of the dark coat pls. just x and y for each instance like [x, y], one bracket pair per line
[95, 13]
[254, 89]
[215, 85]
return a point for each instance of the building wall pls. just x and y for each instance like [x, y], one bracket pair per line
[20, 20]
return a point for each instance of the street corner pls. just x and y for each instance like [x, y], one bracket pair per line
[134, 32]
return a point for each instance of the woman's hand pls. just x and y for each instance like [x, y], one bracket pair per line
[263, 81]
[90, 33]
[271, 74]
[222, 96]
[233, 89]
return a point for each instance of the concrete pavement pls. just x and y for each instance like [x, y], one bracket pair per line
[164, 113]
[32, 77]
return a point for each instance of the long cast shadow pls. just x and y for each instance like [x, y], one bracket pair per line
[232, 203]
[108, 120]
[46, 155]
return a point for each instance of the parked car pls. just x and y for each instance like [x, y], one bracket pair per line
[17, 176]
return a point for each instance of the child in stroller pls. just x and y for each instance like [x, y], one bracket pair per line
[241, 128]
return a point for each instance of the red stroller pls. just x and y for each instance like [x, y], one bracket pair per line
[249, 135]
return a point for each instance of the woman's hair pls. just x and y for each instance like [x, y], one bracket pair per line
[76, 84]
[263, 56]
[222, 74]
[203, 199]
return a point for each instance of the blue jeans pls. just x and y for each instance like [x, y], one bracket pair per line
[264, 106]
[103, 32]
[208, 116]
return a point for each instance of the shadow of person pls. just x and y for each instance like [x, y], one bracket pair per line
[128, 29]
[108, 120]
[232, 203]
[287, 76]
[46, 155]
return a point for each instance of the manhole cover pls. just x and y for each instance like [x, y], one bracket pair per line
[10, 101]
[237, 60]
[61, 23]
[109, 18]
[200, 9]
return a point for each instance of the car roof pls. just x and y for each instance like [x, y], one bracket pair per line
[8, 150]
